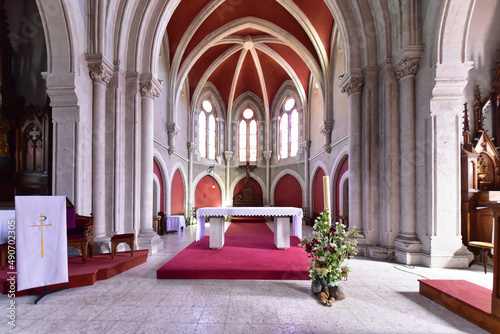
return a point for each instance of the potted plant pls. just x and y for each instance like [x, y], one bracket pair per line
[329, 247]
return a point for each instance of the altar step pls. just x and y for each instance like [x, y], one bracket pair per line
[468, 300]
[97, 267]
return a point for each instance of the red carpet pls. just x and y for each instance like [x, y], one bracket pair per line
[248, 253]
[98, 267]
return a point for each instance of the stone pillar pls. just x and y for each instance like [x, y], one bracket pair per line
[65, 115]
[147, 238]
[408, 247]
[444, 232]
[228, 155]
[267, 156]
[306, 146]
[172, 131]
[352, 84]
[191, 147]
[326, 129]
[100, 72]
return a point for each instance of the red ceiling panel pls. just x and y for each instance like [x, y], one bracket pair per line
[248, 79]
[180, 21]
[264, 9]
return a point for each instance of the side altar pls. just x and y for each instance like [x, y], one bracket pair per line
[281, 222]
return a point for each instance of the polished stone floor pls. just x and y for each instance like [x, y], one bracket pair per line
[382, 298]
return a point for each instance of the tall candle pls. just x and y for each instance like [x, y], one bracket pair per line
[326, 192]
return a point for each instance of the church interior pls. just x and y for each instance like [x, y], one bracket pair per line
[139, 111]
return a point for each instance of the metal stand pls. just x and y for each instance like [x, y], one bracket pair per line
[46, 292]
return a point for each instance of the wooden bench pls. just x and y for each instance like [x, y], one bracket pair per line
[117, 239]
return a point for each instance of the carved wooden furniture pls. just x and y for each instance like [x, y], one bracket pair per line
[117, 239]
[480, 183]
[156, 224]
[3, 255]
[82, 236]
[247, 198]
[484, 244]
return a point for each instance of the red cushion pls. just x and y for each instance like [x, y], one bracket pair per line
[123, 236]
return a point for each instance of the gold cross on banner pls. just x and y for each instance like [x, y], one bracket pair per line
[42, 219]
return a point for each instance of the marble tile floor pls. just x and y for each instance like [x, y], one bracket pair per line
[382, 298]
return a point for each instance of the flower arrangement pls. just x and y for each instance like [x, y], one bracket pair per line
[328, 246]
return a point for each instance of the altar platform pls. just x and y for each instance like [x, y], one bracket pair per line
[97, 267]
[468, 300]
[249, 253]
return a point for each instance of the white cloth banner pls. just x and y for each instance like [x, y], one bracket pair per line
[6, 216]
[41, 241]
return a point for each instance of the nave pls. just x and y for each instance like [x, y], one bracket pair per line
[382, 297]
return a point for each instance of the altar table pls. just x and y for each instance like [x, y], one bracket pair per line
[281, 222]
[175, 223]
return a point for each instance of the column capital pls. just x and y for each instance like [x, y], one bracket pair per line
[326, 127]
[172, 129]
[407, 60]
[150, 87]
[100, 69]
[228, 155]
[191, 146]
[267, 155]
[306, 144]
[352, 82]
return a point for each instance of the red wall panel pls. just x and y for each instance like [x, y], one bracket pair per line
[319, 200]
[205, 195]
[157, 172]
[288, 192]
[256, 189]
[342, 170]
[177, 195]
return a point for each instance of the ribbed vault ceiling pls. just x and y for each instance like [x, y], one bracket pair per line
[249, 46]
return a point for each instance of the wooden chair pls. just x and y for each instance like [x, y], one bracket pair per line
[484, 246]
[82, 236]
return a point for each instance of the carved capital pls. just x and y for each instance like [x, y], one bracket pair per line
[306, 144]
[191, 146]
[353, 85]
[148, 89]
[407, 60]
[326, 127]
[407, 66]
[267, 155]
[172, 129]
[99, 73]
[228, 155]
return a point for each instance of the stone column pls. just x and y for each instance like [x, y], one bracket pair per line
[228, 155]
[306, 146]
[147, 238]
[172, 131]
[267, 156]
[100, 72]
[191, 147]
[407, 246]
[65, 160]
[444, 231]
[352, 84]
[326, 129]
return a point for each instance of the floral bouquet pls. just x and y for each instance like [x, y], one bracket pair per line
[328, 246]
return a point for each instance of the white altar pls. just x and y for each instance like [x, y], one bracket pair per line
[281, 222]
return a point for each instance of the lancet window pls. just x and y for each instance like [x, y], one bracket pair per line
[247, 136]
[288, 129]
[207, 131]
